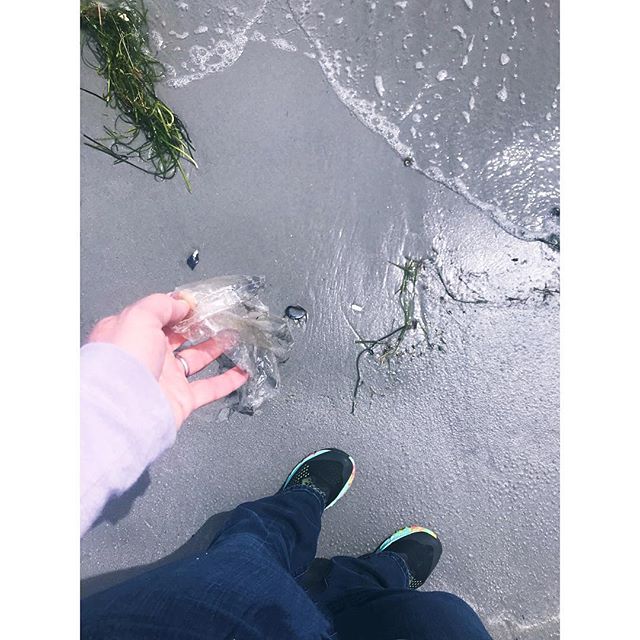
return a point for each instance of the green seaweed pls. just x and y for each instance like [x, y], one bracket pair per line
[386, 347]
[146, 130]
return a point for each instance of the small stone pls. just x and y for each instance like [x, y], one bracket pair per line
[407, 162]
[555, 211]
[296, 313]
[193, 259]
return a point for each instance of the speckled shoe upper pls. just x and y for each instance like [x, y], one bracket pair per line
[419, 547]
[328, 471]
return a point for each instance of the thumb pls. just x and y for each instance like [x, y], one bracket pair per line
[164, 308]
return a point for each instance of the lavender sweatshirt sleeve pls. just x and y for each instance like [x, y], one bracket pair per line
[125, 423]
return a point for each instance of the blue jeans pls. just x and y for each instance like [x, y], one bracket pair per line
[255, 583]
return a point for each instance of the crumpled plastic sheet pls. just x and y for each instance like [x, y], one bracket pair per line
[262, 341]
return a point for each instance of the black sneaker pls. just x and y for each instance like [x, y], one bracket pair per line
[329, 471]
[419, 548]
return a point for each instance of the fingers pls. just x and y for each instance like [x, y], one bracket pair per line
[211, 389]
[163, 308]
[203, 354]
[175, 339]
[186, 296]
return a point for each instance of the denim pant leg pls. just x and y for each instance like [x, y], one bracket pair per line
[367, 599]
[242, 587]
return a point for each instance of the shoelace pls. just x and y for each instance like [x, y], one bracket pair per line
[303, 479]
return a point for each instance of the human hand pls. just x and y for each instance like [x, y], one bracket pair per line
[143, 330]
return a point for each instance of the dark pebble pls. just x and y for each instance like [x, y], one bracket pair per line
[294, 312]
[408, 162]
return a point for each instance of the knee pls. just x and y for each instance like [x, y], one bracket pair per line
[449, 603]
[445, 599]
[432, 603]
[454, 613]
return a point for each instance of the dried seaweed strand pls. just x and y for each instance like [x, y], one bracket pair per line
[146, 130]
[389, 344]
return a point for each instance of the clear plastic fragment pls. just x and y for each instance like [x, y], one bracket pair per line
[261, 340]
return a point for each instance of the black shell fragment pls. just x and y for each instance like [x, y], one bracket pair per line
[193, 259]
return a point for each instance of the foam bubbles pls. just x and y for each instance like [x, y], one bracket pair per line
[282, 44]
[388, 73]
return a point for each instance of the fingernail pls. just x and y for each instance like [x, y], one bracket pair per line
[184, 297]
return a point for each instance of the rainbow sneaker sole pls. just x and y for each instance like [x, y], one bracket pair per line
[419, 547]
[402, 533]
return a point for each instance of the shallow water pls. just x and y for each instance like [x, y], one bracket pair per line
[468, 91]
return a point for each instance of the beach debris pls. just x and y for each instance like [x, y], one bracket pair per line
[229, 309]
[193, 259]
[146, 134]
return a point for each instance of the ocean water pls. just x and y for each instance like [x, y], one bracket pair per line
[466, 92]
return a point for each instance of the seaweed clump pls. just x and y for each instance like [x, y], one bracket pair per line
[146, 130]
[387, 347]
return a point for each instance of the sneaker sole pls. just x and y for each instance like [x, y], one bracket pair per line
[315, 455]
[403, 533]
